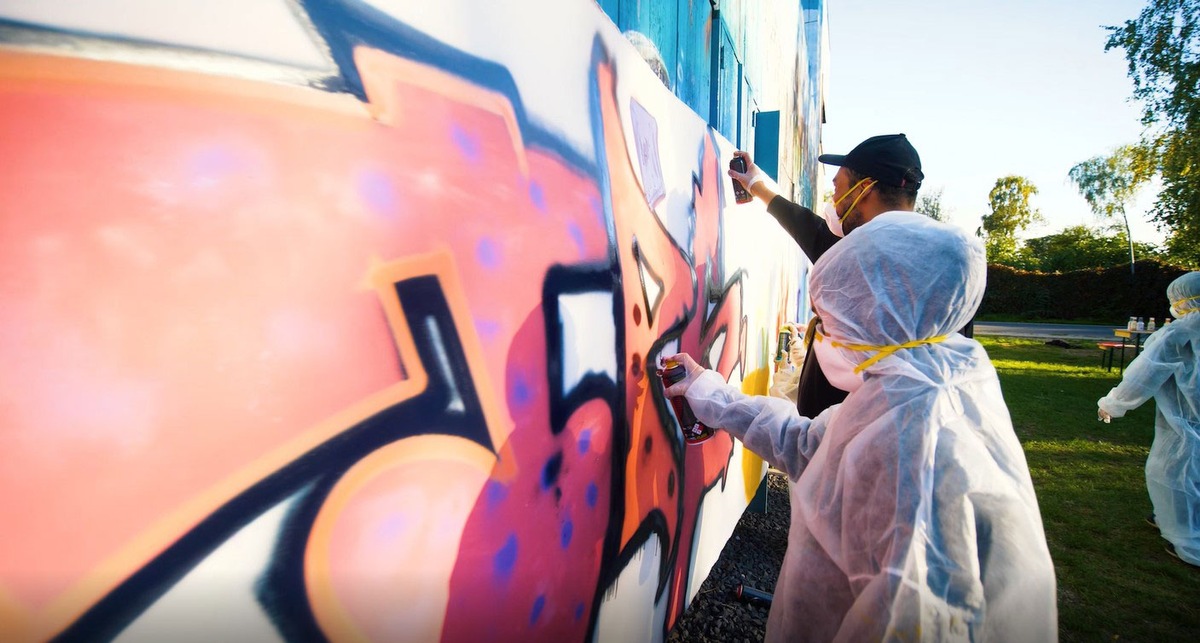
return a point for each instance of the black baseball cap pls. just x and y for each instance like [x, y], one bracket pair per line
[889, 159]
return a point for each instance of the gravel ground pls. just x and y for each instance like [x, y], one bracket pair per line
[751, 557]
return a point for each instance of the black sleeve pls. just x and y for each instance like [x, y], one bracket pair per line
[808, 229]
[969, 329]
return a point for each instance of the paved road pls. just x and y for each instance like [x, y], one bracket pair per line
[1049, 331]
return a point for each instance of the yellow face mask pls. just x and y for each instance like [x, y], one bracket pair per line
[1184, 306]
[883, 351]
[853, 203]
[833, 219]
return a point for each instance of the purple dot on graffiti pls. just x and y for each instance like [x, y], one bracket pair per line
[496, 493]
[568, 529]
[537, 195]
[585, 440]
[377, 191]
[488, 329]
[466, 143]
[392, 527]
[519, 394]
[579, 611]
[487, 253]
[576, 235]
[506, 559]
[538, 604]
[212, 162]
[598, 210]
[593, 494]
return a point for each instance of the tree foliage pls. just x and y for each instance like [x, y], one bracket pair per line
[1162, 46]
[930, 205]
[1010, 213]
[1109, 183]
[1079, 248]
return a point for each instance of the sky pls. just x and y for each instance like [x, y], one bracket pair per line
[984, 90]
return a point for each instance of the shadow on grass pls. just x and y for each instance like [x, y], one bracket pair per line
[1115, 580]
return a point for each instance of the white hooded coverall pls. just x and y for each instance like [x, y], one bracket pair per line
[913, 512]
[1168, 369]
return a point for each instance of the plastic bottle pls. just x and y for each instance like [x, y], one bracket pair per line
[1131, 324]
[694, 432]
[1141, 325]
[1150, 325]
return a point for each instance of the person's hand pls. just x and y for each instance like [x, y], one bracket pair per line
[752, 175]
[690, 367]
[1103, 416]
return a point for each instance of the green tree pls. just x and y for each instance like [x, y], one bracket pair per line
[1079, 248]
[930, 205]
[1162, 46]
[1109, 183]
[1010, 213]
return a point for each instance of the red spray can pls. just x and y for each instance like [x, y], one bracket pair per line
[694, 432]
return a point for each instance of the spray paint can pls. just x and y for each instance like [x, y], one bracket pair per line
[694, 432]
[784, 348]
[753, 596]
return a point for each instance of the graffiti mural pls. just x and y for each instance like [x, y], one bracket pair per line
[350, 332]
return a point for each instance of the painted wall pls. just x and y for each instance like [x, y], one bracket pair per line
[337, 320]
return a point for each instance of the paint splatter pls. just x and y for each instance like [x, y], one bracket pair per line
[467, 144]
[538, 196]
[593, 494]
[487, 253]
[568, 529]
[585, 441]
[576, 235]
[496, 493]
[538, 604]
[519, 394]
[377, 191]
[506, 559]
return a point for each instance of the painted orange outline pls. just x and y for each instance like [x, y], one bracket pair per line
[380, 71]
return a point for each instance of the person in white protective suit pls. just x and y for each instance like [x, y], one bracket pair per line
[913, 513]
[1168, 369]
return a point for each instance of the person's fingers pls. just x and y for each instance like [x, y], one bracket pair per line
[689, 365]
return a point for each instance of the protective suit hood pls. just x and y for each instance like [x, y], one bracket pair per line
[924, 279]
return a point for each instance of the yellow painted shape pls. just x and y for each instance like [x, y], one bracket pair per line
[756, 382]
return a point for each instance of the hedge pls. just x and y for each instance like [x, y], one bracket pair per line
[1110, 294]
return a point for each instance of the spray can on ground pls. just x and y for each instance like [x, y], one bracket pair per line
[694, 432]
[753, 596]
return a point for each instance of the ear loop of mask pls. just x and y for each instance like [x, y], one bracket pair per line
[1179, 305]
[884, 351]
[856, 200]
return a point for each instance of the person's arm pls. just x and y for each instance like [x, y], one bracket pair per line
[768, 426]
[1143, 378]
[806, 227]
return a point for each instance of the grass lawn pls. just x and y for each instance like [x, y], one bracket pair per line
[1115, 581]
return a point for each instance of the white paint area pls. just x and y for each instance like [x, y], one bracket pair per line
[261, 29]
[589, 336]
[720, 511]
[455, 404]
[216, 600]
[624, 617]
[548, 62]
